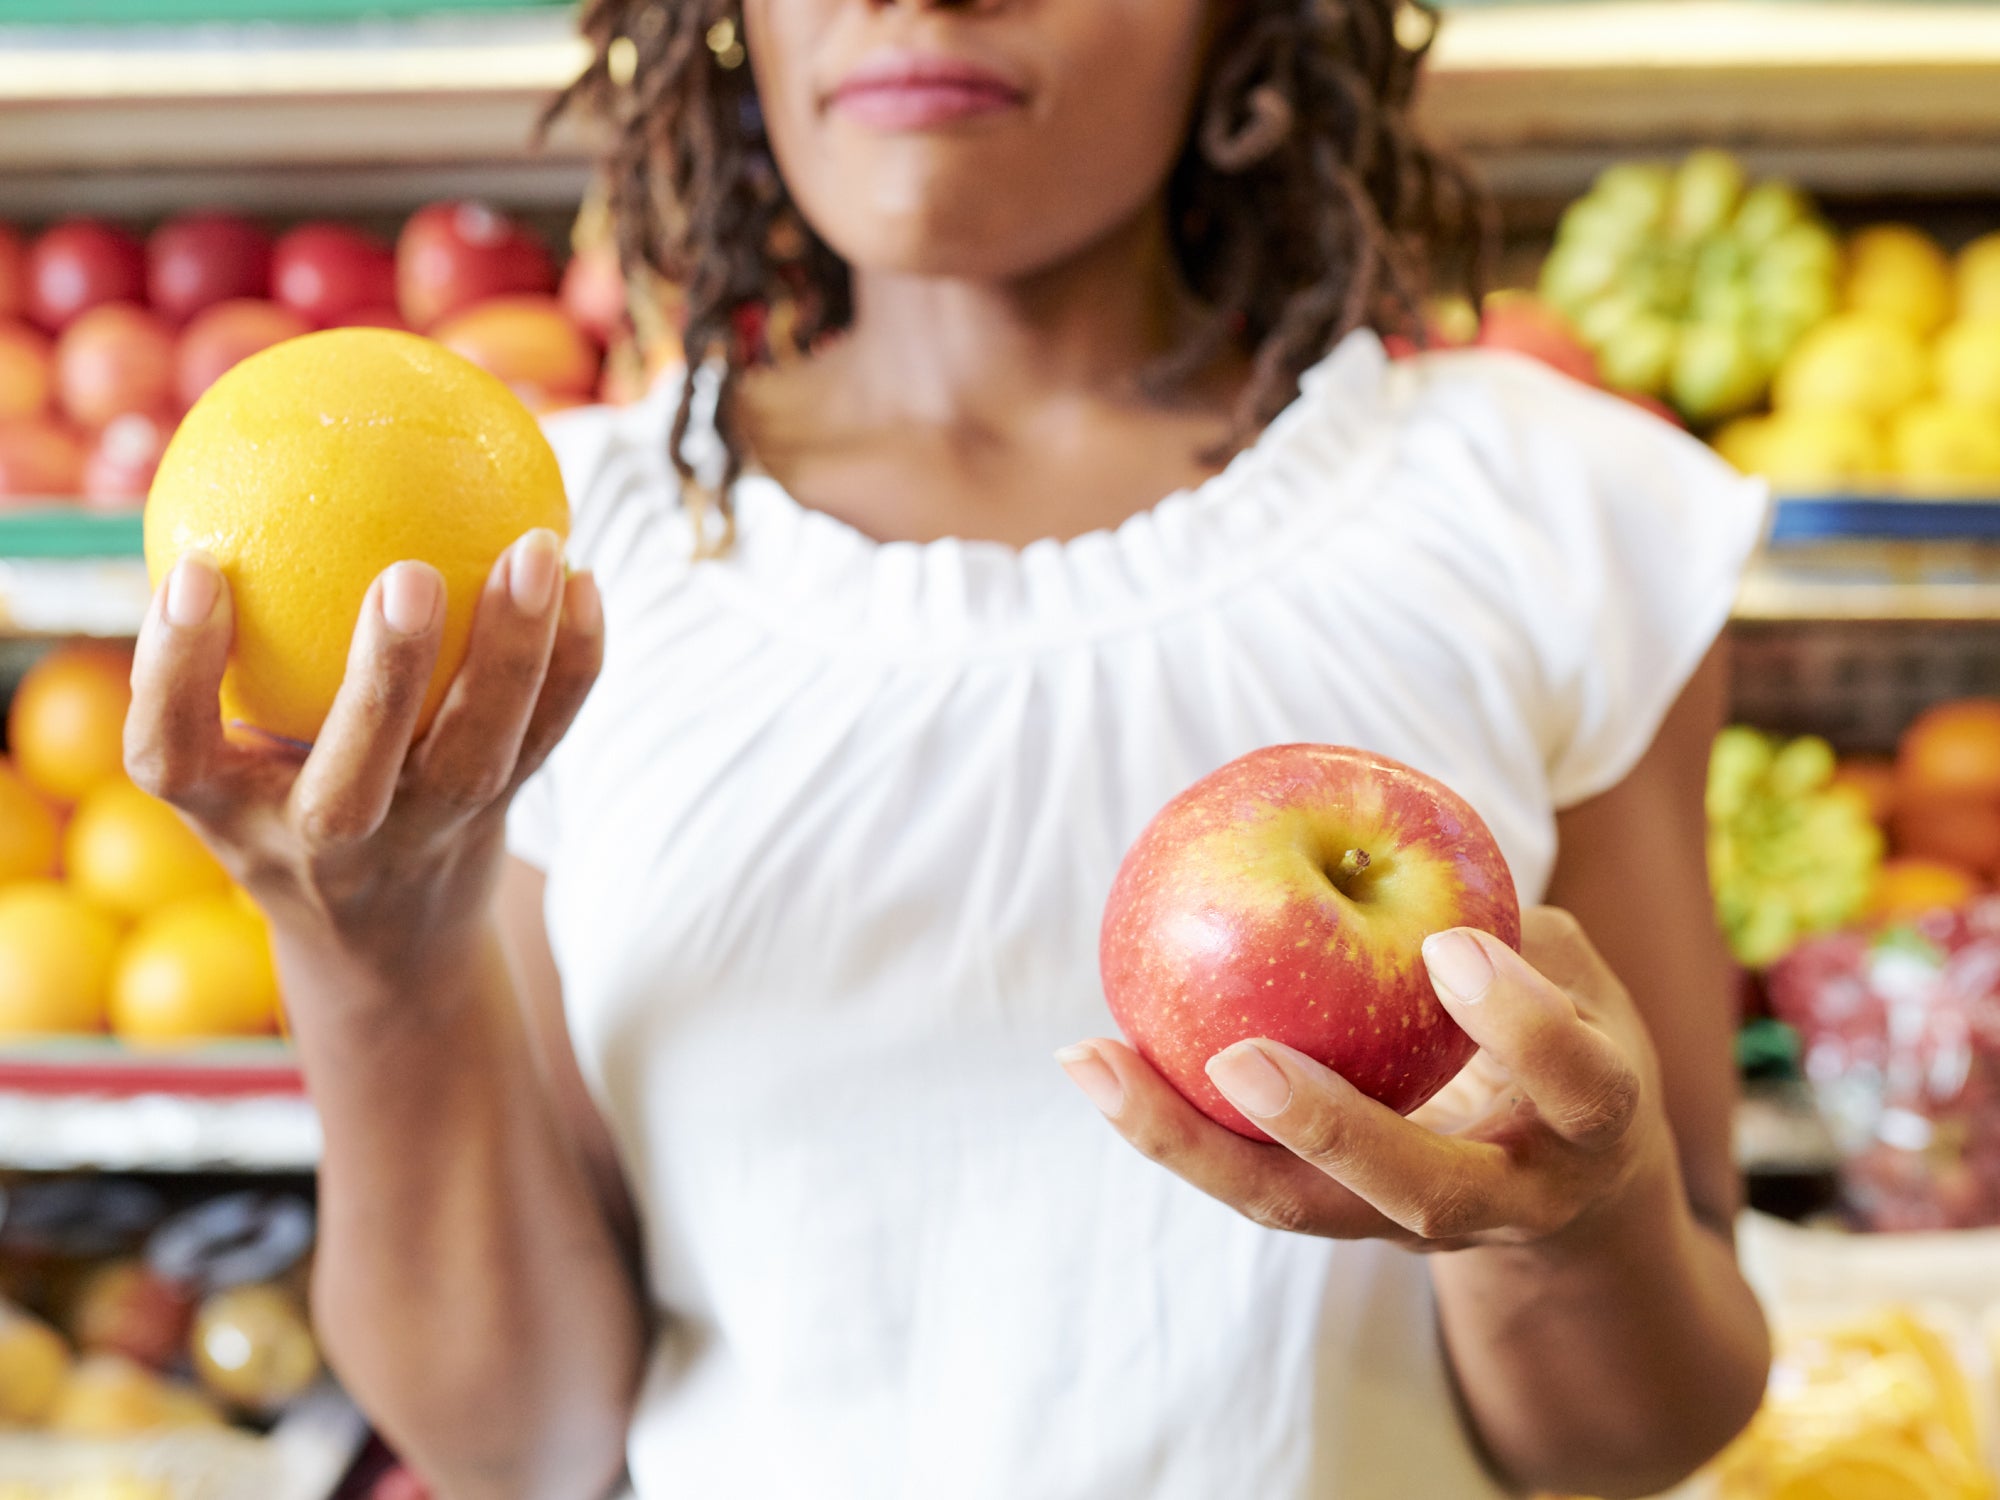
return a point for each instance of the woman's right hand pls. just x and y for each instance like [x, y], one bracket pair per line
[373, 857]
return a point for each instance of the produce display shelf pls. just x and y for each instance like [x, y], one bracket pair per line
[92, 1104]
[61, 530]
[1896, 96]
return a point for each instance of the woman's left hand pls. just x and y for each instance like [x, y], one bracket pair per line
[1557, 1116]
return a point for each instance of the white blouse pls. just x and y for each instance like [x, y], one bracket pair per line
[827, 853]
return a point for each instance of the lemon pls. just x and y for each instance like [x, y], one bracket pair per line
[198, 968]
[1946, 442]
[1967, 361]
[1979, 278]
[311, 467]
[55, 960]
[1859, 362]
[131, 853]
[1901, 273]
[1742, 443]
[1817, 448]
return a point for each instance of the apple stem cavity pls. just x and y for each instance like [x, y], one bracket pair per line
[1352, 863]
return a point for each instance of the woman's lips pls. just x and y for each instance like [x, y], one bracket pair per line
[919, 93]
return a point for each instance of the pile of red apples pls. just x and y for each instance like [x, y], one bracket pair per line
[105, 338]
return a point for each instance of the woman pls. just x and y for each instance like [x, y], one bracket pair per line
[712, 1131]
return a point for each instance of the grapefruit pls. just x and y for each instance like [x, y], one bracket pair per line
[315, 464]
[67, 724]
[55, 960]
[131, 853]
[1952, 750]
[201, 967]
[29, 834]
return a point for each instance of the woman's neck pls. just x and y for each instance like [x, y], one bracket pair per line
[962, 354]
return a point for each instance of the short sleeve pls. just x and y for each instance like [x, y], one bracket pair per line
[1628, 540]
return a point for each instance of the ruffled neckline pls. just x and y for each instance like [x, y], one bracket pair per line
[806, 572]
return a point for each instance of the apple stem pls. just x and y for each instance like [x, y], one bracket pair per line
[1352, 863]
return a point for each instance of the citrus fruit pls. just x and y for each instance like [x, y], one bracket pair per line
[1967, 360]
[315, 464]
[1813, 448]
[1873, 778]
[131, 853]
[55, 960]
[1962, 831]
[34, 1362]
[1947, 443]
[29, 834]
[198, 968]
[1909, 887]
[1979, 278]
[1858, 361]
[67, 723]
[1899, 272]
[1952, 749]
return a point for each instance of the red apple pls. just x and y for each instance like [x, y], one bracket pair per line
[123, 1308]
[81, 264]
[1526, 325]
[25, 366]
[226, 333]
[451, 255]
[119, 470]
[198, 260]
[40, 459]
[1288, 896]
[13, 273]
[371, 317]
[525, 340]
[114, 359]
[326, 271]
[593, 290]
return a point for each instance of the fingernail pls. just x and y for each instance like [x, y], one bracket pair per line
[1250, 1080]
[533, 569]
[192, 589]
[1459, 964]
[583, 606]
[1091, 1073]
[410, 598]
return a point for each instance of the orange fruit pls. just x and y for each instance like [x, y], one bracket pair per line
[131, 853]
[315, 464]
[1957, 830]
[55, 960]
[1906, 887]
[1952, 750]
[199, 968]
[67, 724]
[1874, 778]
[30, 837]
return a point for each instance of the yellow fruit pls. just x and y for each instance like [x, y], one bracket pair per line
[1899, 272]
[252, 1348]
[1857, 362]
[1742, 443]
[132, 854]
[30, 837]
[311, 467]
[1979, 278]
[1947, 443]
[1817, 449]
[34, 1363]
[55, 960]
[108, 1395]
[67, 723]
[1967, 361]
[198, 968]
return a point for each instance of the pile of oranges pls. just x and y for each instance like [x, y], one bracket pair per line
[113, 914]
[1938, 799]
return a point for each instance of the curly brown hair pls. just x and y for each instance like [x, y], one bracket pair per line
[1303, 206]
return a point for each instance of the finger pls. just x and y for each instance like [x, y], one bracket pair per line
[1580, 1081]
[1265, 1183]
[174, 742]
[574, 663]
[467, 759]
[344, 790]
[1440, 1188]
